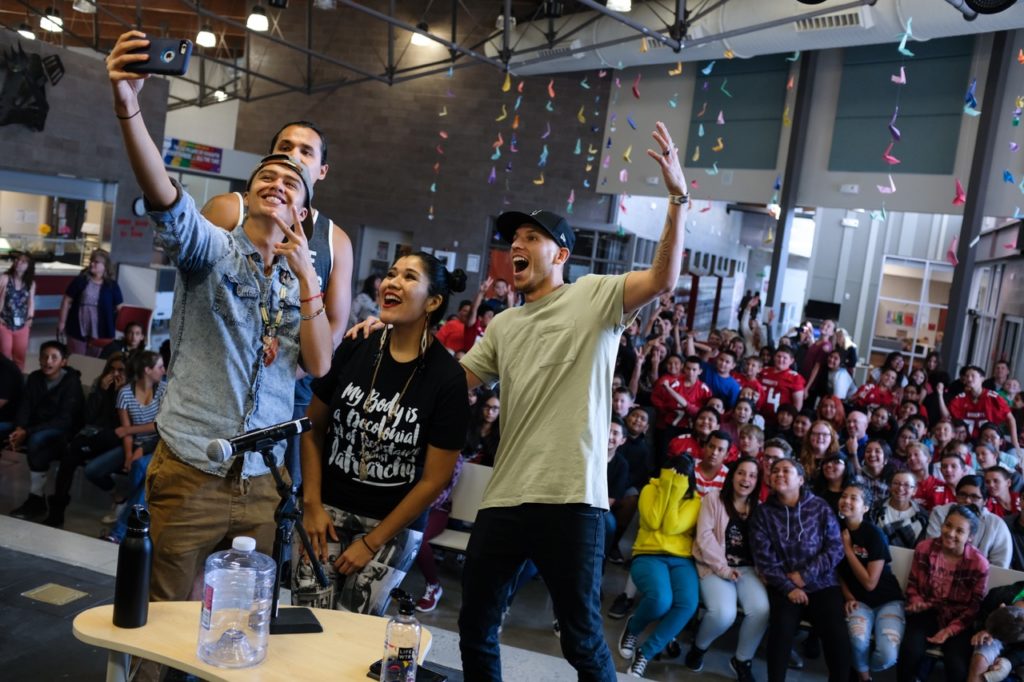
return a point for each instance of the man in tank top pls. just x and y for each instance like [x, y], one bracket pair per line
[328, 244]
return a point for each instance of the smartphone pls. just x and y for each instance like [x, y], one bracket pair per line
[422, 674]
[167, 57]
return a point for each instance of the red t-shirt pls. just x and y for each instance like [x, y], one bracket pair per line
[987, 407]
[669, 412]
[452, 335]
[933, 492]
[993, 505]
[870, 396]
[780, 385]
[747, 382]
[685, 444]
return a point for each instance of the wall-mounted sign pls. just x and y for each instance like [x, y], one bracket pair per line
[192, 155]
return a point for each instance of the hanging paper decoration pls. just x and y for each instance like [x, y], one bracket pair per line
[887, 189]
[676, 71]
[961, 197]
[1008, 177]
[579, 149]
[722, 88]
[551, 88]
[893, 130]
[444, 112]
[631, 122]
[888, 157]
[795, 56]
[539, 180]
[623, 175]
[729, 54]
[700, 130]
[696, 155]
[707, 69]
[626, 154]
[636, 86]
[492, 177]
[713, 170]
[584, 84]
[906, 35]
[579, 115]
[721, 118]
[504, 114]
[719, 146]
[507, 85]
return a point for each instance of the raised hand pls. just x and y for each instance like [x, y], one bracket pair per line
[126, 84]
[296, 249]
[668, 158]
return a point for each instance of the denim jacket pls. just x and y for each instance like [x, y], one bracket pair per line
[218, 386]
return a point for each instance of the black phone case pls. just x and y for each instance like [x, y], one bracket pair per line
[422, 674]
[167, 57]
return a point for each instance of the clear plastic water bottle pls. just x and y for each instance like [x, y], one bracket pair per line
[235, 621]
[401, 642]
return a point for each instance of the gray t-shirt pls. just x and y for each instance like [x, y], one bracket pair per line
[555, 358]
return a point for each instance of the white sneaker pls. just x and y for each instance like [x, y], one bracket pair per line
[627, 642]
[639, 665]
[115, 513]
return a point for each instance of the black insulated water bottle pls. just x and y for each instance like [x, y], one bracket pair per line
[134, 561]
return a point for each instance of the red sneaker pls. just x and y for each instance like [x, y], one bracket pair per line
[430, 598]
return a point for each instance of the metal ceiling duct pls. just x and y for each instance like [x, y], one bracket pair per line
[750, 27]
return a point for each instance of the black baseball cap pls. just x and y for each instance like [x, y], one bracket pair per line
[307, 181]
[552, 223]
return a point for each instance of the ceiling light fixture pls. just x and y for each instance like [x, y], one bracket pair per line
[206, 37]
[51, 21]
[257, 20]
[220, 95]
[26, 31]
[499, 22]
[419, 39]
[84, 6]
[620, 5]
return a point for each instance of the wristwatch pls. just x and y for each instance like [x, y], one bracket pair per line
[678, 199]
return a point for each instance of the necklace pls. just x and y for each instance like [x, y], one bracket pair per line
[363, 473]
[271, 344]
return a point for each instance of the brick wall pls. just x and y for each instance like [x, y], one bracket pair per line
[82, 138]
[383, 140]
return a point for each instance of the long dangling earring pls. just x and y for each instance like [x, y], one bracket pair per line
[426, 336]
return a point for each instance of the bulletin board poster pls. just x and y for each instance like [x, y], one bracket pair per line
[192, 155]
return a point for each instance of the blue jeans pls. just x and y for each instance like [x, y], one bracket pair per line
[720, 597]
[44, 446]
[566, 542]
[670, 596]
[137, 495]
[100, 470]
[886, 623]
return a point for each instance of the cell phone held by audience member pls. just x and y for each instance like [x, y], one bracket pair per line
[167, 57]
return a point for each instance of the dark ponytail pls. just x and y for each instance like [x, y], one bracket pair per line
[441, 283]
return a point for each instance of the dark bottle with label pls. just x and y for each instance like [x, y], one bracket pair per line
[134, 561]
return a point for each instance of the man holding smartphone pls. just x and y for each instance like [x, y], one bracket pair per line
[247, 306]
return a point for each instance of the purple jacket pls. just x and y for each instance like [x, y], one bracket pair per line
[804, 538]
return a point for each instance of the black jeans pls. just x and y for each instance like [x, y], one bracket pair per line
[956, 651]
[83, 447]
[566, 542]
[825, 612]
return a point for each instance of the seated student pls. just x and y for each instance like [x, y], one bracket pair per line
[948, 579]
[751, 395]
[692, 443]
[876, 472]
[840, 384]
[783, 384]
[750, 443]
[940, 435]
[622, 401]
[783, 426]
[991, 435]
[906, 435]
[821, 441]
[998, 649]
[899, 515]
[49, 413]
[881, 424]
[934, 492]
[985, 458]
[640, 460]
[874, 601]
[919, 459]
[906, 409]
[719, 379]
[976, 405]
[662, 566]
[677, 397]
[725, 565]
[856, 437]
[748, 379]
[742, 415]
[992, 536]
[796, 545]
[618, 478]
[774, 450]
[137, 406]
[96, 438]
[710, 472]
[1002, 500]
[831, 409]
[484, 432]
[872, 395]
[836, 473]
[801, 426]
[452, 332]
[134, 339]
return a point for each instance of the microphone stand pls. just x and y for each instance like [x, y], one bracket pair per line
[288, 516]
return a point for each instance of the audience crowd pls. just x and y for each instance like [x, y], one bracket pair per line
[768, 487]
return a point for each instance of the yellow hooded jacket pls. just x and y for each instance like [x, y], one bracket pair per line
[667, 521]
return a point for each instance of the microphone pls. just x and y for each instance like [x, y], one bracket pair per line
[220, 450]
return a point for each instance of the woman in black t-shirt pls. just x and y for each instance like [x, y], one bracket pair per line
[389, 420]
[874, 601]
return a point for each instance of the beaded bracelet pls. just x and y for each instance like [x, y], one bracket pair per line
[314, 315]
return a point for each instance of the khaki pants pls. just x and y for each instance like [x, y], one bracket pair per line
[194, 514]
